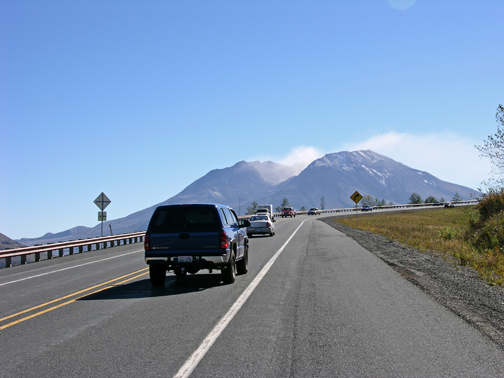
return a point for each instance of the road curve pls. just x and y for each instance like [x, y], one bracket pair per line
[326, 307]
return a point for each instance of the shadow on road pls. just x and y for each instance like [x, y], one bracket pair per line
[172, 286]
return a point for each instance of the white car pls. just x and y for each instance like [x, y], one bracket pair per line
[261, 224]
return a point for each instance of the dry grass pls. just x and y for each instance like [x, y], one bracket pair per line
[441, 231]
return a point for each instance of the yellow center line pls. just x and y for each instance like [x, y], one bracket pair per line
[142, 272]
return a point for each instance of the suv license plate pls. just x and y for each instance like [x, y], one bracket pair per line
[185, 259]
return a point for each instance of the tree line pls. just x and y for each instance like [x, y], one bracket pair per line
[415, 198]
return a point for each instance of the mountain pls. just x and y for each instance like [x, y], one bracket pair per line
[242, 182]
[335, 177]
[8, 243]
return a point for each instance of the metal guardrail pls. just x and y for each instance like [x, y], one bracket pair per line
[136, 237]
[352, 209]
[84, 245]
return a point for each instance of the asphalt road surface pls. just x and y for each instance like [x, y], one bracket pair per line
[313, 304]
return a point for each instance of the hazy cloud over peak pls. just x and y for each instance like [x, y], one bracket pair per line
[300, 157]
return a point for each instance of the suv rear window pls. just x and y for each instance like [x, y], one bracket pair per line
[178, 219]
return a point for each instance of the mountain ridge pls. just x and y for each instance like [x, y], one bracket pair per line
[8, 243]
[334, 176]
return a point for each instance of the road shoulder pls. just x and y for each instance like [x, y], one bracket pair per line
[457, 288]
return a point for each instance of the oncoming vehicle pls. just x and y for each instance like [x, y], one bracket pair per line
[367, 208]
[188, 238]
[288, 212]
[313, 211]
[261, 224]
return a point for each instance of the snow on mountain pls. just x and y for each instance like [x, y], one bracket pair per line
[336, 176]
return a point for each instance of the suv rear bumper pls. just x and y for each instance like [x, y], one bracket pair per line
[199, 260]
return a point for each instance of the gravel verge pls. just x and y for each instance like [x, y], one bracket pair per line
[456, 287]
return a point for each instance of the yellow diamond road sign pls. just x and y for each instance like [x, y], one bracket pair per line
[356, 197]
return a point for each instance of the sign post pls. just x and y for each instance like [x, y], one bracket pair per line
[102, 201]
[356, 197]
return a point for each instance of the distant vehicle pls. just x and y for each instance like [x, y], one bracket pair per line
[367, 208]
[313, 211]
[437, 204]
[261, 224]
[288, 212]
[187, 238]
[266, 208]
[449, 204]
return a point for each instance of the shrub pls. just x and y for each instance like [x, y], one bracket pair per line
[491, 204]
[486, 232]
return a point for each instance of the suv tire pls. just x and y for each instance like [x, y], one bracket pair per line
[229, 273]
[157, 275]
[242, 265]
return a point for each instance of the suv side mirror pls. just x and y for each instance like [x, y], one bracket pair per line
[244, 223]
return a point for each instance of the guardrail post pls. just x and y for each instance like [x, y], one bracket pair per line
[7, 262]
[37, 256]
[23, 259]
[60, 254]
[49, 255]
[81, 248]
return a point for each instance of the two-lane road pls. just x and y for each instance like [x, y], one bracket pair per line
[325, 307]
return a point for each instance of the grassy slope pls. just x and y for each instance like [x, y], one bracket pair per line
[443, 231]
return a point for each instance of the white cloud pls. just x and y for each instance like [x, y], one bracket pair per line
[300, 157]
[448, 156]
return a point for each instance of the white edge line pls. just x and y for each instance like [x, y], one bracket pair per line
[71, 267]
[193, 361]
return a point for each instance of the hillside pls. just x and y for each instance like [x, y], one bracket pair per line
[335, 177]
[8, 243]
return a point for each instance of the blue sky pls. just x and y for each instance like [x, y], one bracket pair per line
[137, 99]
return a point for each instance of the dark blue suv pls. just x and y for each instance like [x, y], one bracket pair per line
[189, 237]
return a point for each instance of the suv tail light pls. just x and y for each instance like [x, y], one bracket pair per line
[147, 242]
[223, 242]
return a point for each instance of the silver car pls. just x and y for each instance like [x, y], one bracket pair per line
[261, 224]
